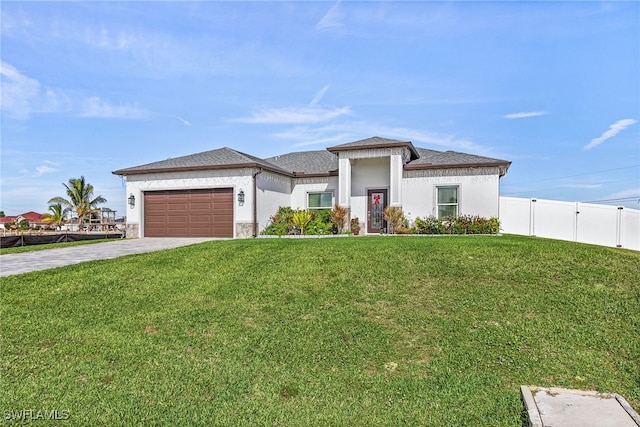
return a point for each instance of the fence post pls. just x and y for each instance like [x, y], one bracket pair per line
[532, 217]
[575, 222]
[619, 227]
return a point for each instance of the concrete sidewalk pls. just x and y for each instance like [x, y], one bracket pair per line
[559, 407]
[59, 257]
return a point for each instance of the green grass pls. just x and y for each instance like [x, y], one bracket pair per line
[297, 332]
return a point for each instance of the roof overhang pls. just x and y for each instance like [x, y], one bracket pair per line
[315, 174]
[387, 144]
[502, 166]
[135, 171]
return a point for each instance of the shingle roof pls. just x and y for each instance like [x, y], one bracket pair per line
[375, 142]
[306, 162]
[439, 159]
[320, 162]
[222, 158]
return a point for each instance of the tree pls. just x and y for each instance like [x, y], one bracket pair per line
[81, 199]
[57, 215]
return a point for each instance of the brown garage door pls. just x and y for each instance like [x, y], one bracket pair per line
[189, 213]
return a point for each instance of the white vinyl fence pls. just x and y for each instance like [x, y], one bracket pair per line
[603, 225]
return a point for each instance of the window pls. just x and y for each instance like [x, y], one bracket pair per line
[447, 201]
[320, 200]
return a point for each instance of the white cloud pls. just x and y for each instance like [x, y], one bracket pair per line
[17, 91]
[613, 130]
[311, 114]
[525, 115]
[23, 96]
[99, 108]
[337, 133]
[308, 137]
[582, 186]
[41, 170]
[632, 192]
[318, 96]
[332, 19]
[184, 122]
[421, 137]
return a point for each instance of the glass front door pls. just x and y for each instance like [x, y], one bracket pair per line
[375, 210]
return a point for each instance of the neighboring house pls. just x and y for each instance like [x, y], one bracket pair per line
[9, 219]
[33, 218]
[226, 193]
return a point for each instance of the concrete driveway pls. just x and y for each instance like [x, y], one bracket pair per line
[58, 257]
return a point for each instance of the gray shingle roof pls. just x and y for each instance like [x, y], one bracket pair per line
[452, 158]
[368, 142]
[213, 159]
[320, 162]
[307, 162]
[375, 142]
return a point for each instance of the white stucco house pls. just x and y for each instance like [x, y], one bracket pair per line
[226, 193]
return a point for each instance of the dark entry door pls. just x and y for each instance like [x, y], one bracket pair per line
[377, 201]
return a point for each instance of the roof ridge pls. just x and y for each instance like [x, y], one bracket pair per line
[256, 159]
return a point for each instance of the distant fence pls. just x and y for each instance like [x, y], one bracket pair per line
[46, 238]
[602, 225]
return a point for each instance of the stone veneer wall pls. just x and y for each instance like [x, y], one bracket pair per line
[132, 231]
[244, 230]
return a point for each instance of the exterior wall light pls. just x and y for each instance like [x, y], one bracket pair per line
[240, 197]
[132, 201]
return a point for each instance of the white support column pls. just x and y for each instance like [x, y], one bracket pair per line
[395, 171]
[344, 182]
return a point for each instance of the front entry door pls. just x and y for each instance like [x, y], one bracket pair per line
[377, 201]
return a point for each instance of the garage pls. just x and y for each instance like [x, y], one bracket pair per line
[189, 213]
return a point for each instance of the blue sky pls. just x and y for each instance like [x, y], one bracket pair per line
[92, 87]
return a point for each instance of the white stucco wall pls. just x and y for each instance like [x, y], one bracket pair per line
[304, 186]
[478, 193]
[273, 191]
[234, 178]
[478, 190]
[367, 174]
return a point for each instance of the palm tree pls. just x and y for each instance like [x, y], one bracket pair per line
[81, 199]
[57, 215]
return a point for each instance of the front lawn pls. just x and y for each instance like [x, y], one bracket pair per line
[430, 331]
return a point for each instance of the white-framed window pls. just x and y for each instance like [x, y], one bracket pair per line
[320, 200]
[447, 201]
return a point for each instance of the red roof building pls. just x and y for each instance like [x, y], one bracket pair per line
[34, 218]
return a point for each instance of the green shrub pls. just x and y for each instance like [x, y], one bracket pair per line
[403, 229]
[428, 225]
[281, 223]
[464, 224]
[322, 223]
[289, 221]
